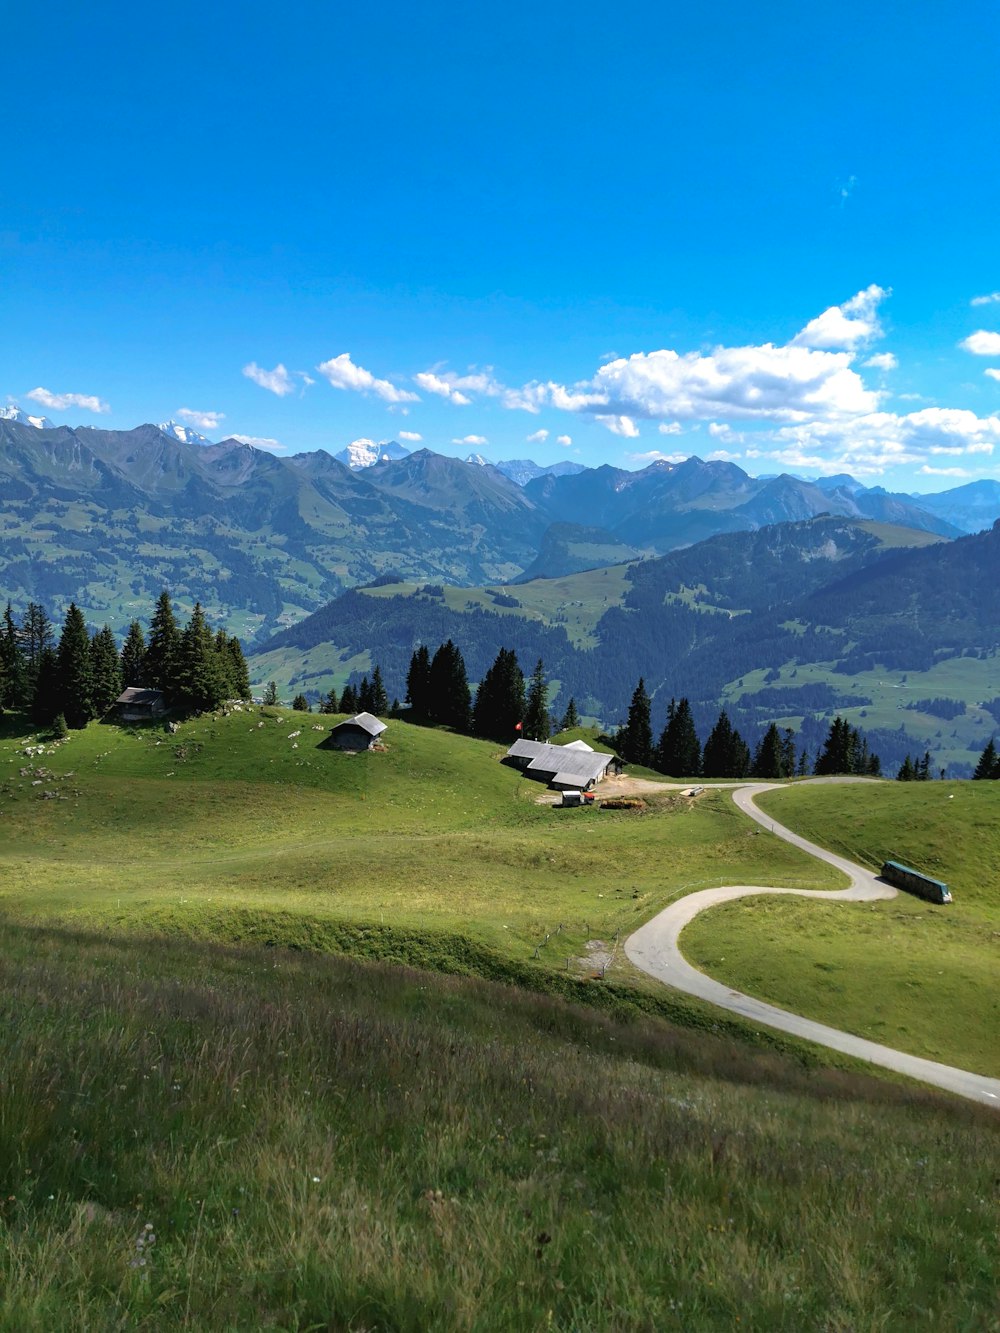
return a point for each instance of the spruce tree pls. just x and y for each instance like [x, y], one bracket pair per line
[270, 697]
[34, 636]
[133, 656]
[380, 700]
[989, 764]
[239, 674]
[15, 684]
[330, 704]
[418, 682]
[106, 670]
[160, 664]
[450, 703]
[199, 682]
[75, 687]
[679, 752]
[536, 711]
[907, 773]
[500, 699]
[570, 718]
[718, 759]
[301, 704]
[46, 698]
[636, 737]
[349, 700]
[366, 696]
[769, 758]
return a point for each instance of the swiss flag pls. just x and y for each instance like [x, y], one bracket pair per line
[518, 726]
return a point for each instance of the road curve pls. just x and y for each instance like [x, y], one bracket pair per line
[655, 949]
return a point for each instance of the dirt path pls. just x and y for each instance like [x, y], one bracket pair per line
[655, 949]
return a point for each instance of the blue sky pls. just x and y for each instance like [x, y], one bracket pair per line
[625, 235]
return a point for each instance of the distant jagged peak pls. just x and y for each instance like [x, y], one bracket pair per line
[14, 413]
[366, 453]
[183, 434]
[478, 460]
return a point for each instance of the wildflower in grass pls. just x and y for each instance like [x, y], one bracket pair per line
[143, 1245]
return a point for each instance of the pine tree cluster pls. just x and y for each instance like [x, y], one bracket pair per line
[70, 682]
[989, 763]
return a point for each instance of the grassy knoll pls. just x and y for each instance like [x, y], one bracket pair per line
[305, 1142]
[906, 973]
[431, 852]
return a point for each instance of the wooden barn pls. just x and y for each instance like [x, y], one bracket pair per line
[356, 733]
[138, 705]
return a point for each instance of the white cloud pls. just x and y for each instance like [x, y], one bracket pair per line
[845, 326]
[201, 420]
[655, 456]
[471, 439]
[881, 361]
[669, 428]
[981, 343]
[462, 389]
[278, 380]
[991, 298]
[411, 436]
[868, 445]
[944, 471]
[564, 440]
[618, 424]
[537, 437]
[342, 373]
[993, 374]
[261, 442]
[443, 386]
[59, 402]
[721, 456]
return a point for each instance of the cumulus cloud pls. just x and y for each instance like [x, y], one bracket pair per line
[277, 381]
[564, 440]
[881, 361]
[537, 437]
[342, 373]
[471, 439]
[868, 445]
[463, 389]
[410, 436]
[981, 343]
[669, 428]
[928, 471]
[990, 298]
[993, 374]
[261, 442]
[202, 420]
[844, 327]
[618, 424]
[655, 456]
[59, 402]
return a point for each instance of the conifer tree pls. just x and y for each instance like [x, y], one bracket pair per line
[366, 696]
[105, 670]
[989, 763]
[380, 700]
[770, 756]
[717, 760]
[537, 726]
[301, 704]
[239, 674]
[679, 752]
[270, 696]
[199, 682]
[46, 696]
[133, 656]
[34, 636]
[14, 689]
[450, 703]
[163, 649]
[349, 700]
[907, 773]
[330, 704]
[500, 701]
[75, 680]
[418, 682]
[636, 737]
[570, 718]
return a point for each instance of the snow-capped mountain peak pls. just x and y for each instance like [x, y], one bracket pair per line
[184, 434]
[13, 413]
[479, 460]
[366, 453]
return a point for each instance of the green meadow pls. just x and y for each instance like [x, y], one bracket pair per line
[214, 1118]
[909, 974]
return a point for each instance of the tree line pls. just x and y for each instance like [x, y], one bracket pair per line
[71, 680]
[725, 754]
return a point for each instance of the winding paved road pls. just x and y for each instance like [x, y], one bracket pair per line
[655, 949]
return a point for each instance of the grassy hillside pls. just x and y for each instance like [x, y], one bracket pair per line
[221, 1139]
[240, 828]
[905, 973]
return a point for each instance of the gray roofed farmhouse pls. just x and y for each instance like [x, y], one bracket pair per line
[561, 766]
[139, 705]
[356, 733]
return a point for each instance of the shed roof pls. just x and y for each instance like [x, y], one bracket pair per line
[364, 721]
[570, 764]
[136, 695]
[527, 749]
